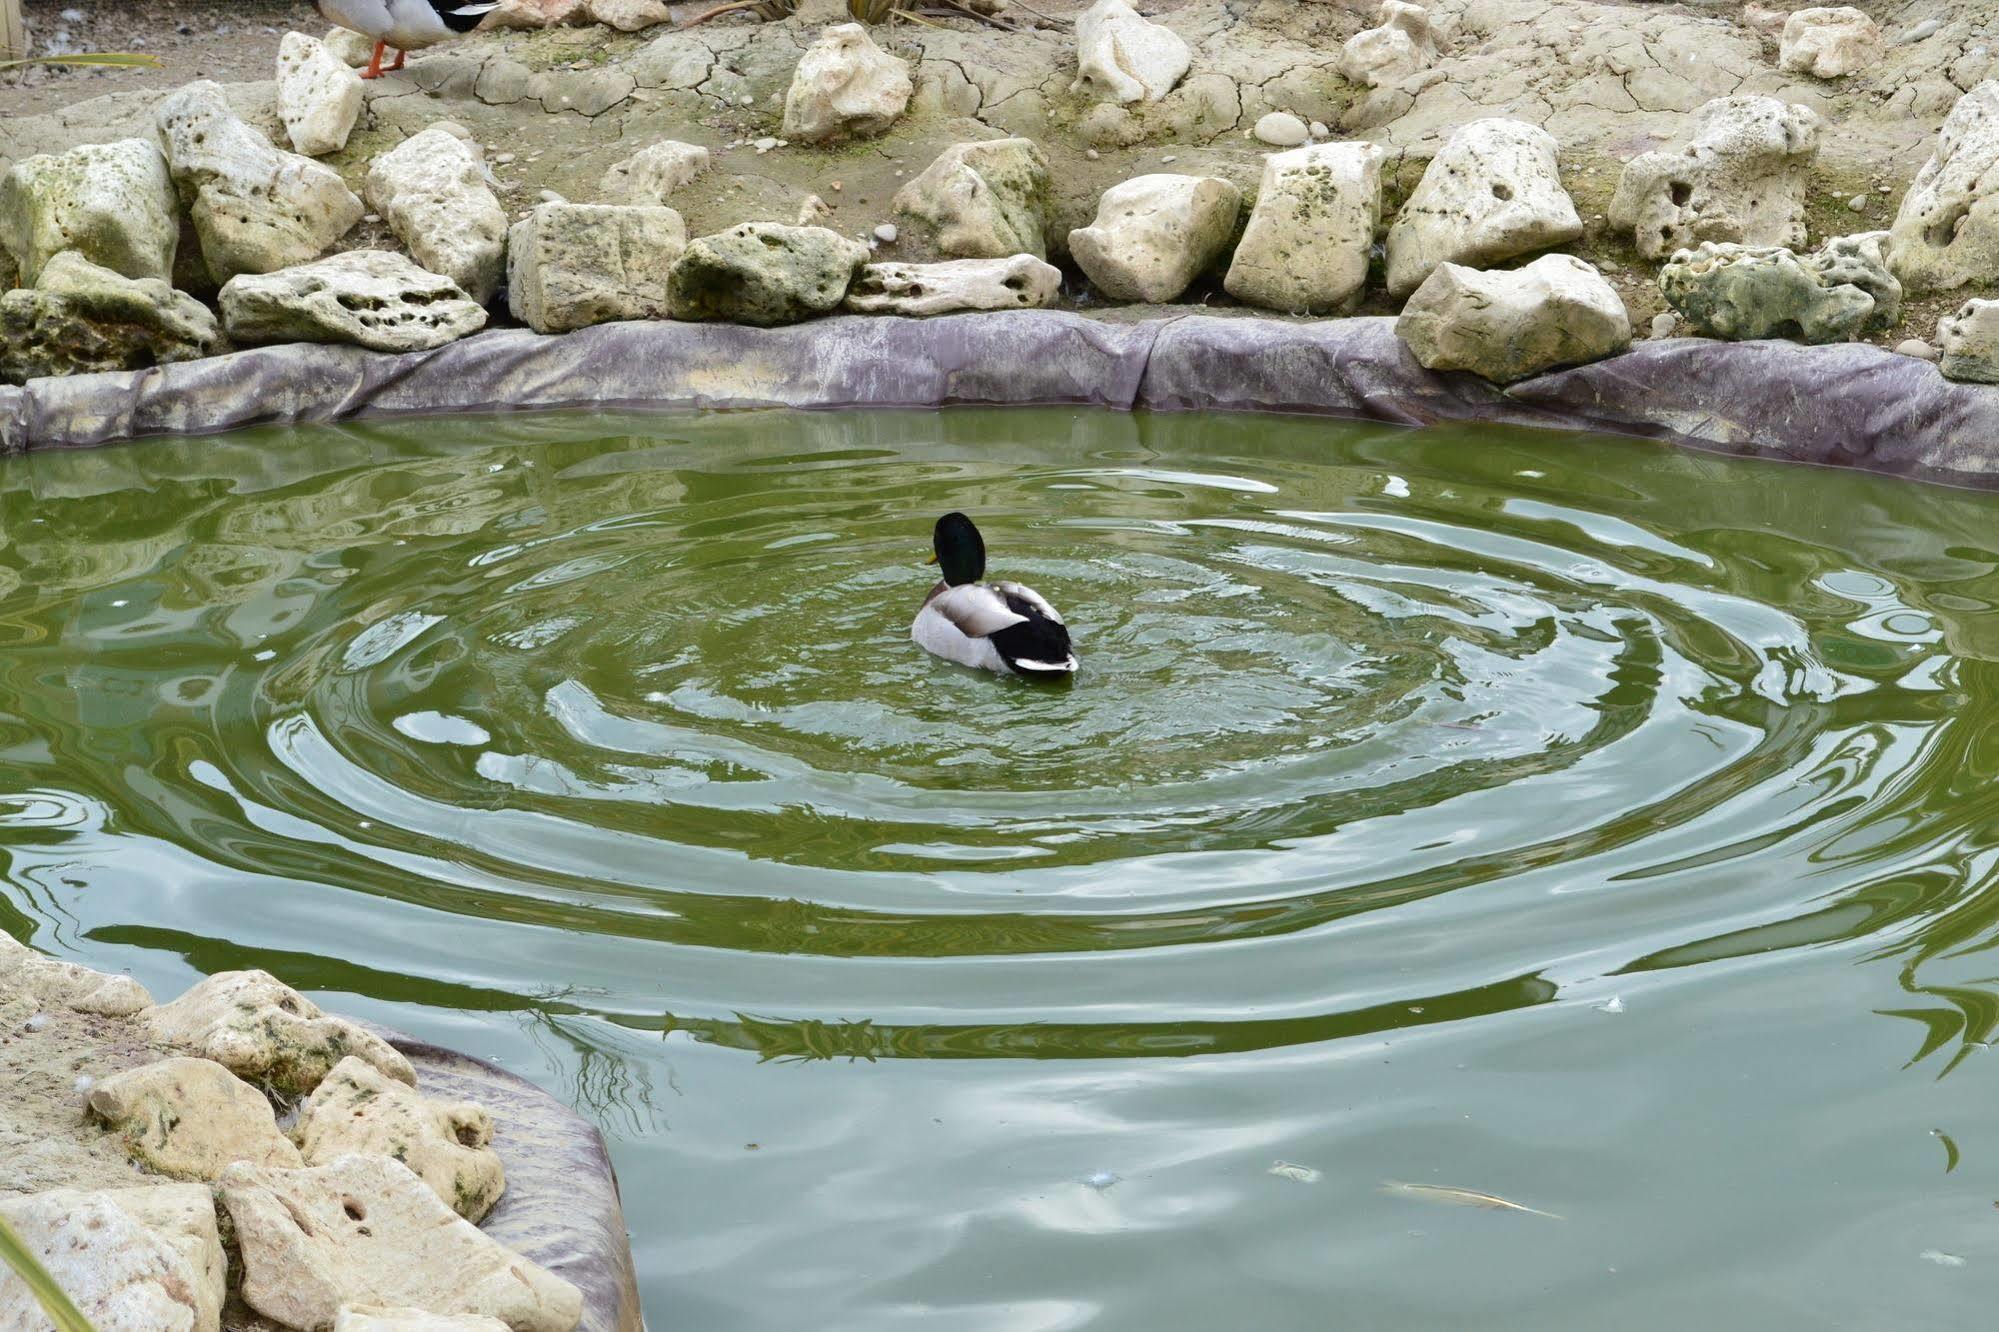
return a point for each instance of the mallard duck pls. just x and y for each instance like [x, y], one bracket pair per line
[1000, 627]
[406, 25]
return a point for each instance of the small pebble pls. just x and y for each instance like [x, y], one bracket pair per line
[1168, 160]
[371, 218]
[886, 233]
[837, 187]
[1609, 266]
[1281, 129]
[1917, 348]
[1927, 28]
[84, 1082]
[1092, 154]
[765, 144]
[1858, 203]
[1883, 189]
[502, 159]
[550, 196]
[36, 1023]
[1319, 130]
[1664, 323]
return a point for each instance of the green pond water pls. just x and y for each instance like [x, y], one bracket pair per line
[1604, 827]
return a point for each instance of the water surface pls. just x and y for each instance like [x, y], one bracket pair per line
[1603, 827]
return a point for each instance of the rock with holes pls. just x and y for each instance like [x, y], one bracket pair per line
[79, 318]
[1153, 235]
[845, 86]
[764, 273]
[1019, 283]
[370, 298]
[53, 984]
[1123, 57]
[143, 1259]
[982, 200]
[1401, 45]
[1505, 325]
[1969, 342]
[1492, 193]
[447, 1143]
[112, 203]
[263, 1030]
[434, 192]
[1829, 43]
[190, 1119]
[319, 95]
[1306, 247]
[1842, 292]
[364, 1230]
[1740, 178]
[654, 174]
[1947, 231]
[573, 265]
[255, 209]
[375, 1318]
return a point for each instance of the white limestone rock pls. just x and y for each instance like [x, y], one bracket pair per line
[349, 47]
[375, 1318]
[79, 318]
[1402, 44]
[1740, 178]
[143, 1259]
[370, 298]
[1969, 343]
[364, 1230]
[255, 208]
[845, 86]
[1829, 43]
[319, 96]
[1155, 234]
[190, 1119]
[112, 203]
[1022, 282]
[573, 265]
[263, 1030]
[1281, 129]
[764, 273]
[654, 174]
[1505, 325]
[23, 971]
[1306, 247]
[983, 200]
[433, 191]
[1123, 57]
[447, 1143]
[1843, 292]
[1492, 193]
[1947, 230]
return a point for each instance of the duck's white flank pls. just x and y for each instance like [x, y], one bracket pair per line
[957, 624]
[407, 25]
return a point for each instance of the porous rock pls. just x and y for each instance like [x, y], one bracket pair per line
[1842, 292]
[654, 174]
[983, 200]
[376, 1318]
[1155, 234]
[1022, 282]
[845, 86]
[370, 298]
[1505, 325]
[1306, 247]
[447, 1143]
[1739, 178]
[1402, 44]
[364, 1230]
[143, 1259]
[573, 265]
[255, 208]
[1492, 193]
[1829, 42]
[1946, 232]
[263, 1030]
[764, 273]
[190, 1118]
[1969, 343]
[319, 95]
[80, 318]
[1123, 57]
[433, 190]
[53, 984]
[112, 203]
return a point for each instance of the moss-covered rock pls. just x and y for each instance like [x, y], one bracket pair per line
[81, 318]
[764, 273]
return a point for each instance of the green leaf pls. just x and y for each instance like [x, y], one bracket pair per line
[68, 1318]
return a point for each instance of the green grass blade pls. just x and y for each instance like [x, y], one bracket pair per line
[91, 59]
[68, 1318]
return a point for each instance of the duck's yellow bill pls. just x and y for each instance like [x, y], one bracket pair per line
[932, 559]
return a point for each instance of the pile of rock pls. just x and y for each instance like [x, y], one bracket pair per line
[362, 1211]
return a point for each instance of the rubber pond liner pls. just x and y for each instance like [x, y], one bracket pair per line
[1850, 405]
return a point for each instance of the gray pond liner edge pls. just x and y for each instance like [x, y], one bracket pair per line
[1851, 404]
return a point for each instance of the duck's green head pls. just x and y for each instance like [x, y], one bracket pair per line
[958, 550]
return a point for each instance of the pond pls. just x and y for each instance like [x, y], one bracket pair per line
[1601, 827]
